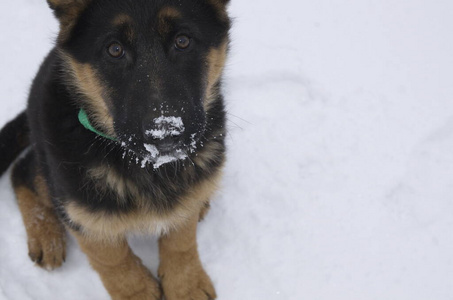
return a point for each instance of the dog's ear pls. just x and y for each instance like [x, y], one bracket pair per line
[67, 12]
[221, 7]
[223, 2]
[220, 3]
[67, 9]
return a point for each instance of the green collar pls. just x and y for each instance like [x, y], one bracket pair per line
[83, 119]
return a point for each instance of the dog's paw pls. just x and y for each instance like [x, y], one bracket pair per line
[152, 291]
[191, 284]
[46, 240]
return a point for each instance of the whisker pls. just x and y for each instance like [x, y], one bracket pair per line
[236, 124]
[239, 118]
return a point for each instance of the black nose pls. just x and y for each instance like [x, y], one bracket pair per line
[164, 132]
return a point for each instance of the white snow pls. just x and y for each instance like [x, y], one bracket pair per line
[152, 150]
[164, 159]
[339, 180]
[166, 126]
[157, 159]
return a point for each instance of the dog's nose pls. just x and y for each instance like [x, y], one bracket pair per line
[164, 132]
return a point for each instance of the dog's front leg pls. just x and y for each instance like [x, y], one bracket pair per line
[182, 276]
[121, 271]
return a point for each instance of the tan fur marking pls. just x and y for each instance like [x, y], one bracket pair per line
[106, 178]
[216, 62]
[205, 156]
[204, 211]
[122, 19]
[169, 12]
[182, 275]
[46, 234]
[104, 226]
[166, 14]
[125, 20]
[42, 190]
[86, 82]
[121, 271]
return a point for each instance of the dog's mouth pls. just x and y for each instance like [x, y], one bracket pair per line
[158, 157]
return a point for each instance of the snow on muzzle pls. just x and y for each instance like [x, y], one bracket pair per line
[165, 132]
[163, 141]
[165, 127]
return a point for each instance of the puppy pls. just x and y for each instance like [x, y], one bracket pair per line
[125, 129]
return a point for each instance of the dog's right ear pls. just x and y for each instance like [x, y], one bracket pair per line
[67, 12]
[221, 7]
[220, 3]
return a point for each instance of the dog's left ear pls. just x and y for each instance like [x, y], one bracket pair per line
[67, 12]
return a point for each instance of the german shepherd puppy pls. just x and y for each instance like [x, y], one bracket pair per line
[125, 127]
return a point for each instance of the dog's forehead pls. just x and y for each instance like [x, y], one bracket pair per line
[121, 19]
[162, 13]
[169, 12]
[161, 19]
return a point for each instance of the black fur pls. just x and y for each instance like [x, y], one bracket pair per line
[13, 140]
[65, 152]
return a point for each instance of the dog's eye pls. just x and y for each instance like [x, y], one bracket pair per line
[182, 42]
[115, 50]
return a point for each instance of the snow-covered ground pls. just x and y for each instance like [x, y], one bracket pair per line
[339, 183]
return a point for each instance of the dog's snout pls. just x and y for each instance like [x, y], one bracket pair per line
[165, 132]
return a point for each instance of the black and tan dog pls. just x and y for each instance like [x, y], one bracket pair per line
[125, 130]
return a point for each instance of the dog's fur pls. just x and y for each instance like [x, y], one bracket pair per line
[101, 189]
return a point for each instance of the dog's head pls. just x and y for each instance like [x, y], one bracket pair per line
[146, 71]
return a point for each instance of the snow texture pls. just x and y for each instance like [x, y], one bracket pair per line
[166, 126]
[339, 180]
[158, 159]
[152, 150]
